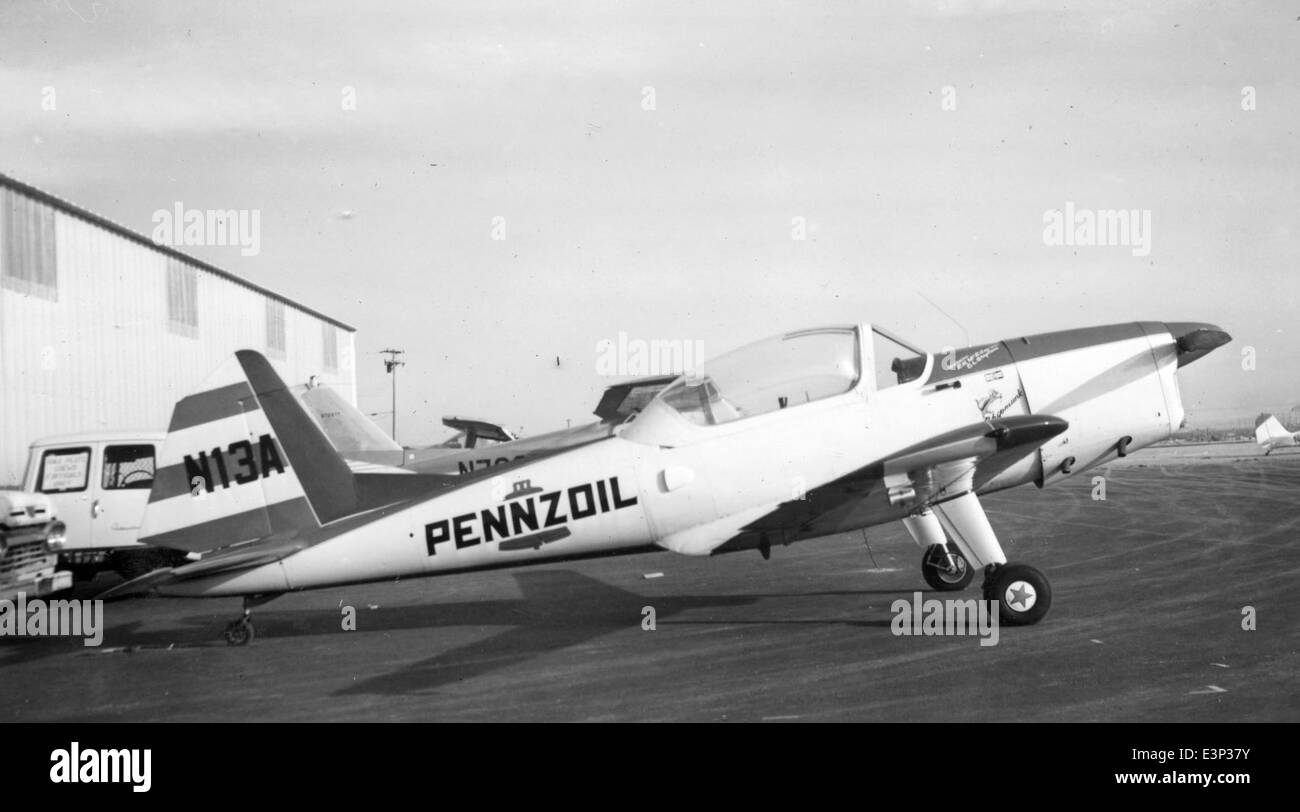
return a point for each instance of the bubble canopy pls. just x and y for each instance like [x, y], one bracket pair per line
[777, 373]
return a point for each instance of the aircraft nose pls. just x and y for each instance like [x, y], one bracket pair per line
[1195, 339]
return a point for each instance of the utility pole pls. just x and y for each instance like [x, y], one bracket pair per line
[390, 366]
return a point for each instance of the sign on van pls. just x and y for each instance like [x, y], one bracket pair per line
[64, 472]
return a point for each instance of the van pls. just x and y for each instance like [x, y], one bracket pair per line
[99, 484]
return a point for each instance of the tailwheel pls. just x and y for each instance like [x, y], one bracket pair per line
[945, 569]
[1022, 593]
[240, 632]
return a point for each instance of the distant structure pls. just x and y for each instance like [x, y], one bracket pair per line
[100, 328]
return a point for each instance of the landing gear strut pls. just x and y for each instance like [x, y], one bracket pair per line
[241, 632]
[1022, 593]
[942, 565]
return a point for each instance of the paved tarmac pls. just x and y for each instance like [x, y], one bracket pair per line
[1149, 589]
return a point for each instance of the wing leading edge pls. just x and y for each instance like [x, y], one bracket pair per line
[906, 482]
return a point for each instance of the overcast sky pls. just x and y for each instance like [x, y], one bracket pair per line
[677, 222]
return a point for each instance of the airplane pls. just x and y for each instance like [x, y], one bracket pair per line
[479, 444]
[1271, 434]
[361, 441]
[801, 435]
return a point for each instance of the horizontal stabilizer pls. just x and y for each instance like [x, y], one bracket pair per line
[231, 559]
[137, 586]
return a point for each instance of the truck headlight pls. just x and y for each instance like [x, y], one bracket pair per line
[56, 536]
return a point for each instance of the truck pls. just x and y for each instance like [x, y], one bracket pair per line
[31, 539]
[98, 483]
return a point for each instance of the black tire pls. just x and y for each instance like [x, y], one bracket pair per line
[936, 573]
[240, 633]
[1023, 594]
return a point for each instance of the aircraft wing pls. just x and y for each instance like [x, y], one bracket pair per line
[910, 480]
[623, 399]
[475, 430]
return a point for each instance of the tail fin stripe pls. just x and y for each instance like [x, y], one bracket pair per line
[190, 509]
[214, 404]
[243, 462]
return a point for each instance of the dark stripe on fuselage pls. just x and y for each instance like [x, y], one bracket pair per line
[980, 357]
[280, 517]
[214, 404]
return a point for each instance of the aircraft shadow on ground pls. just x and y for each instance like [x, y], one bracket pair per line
[558, 609]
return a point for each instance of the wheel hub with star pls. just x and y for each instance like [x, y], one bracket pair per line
[1021, 596]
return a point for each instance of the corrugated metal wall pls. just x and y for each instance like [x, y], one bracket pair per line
[104, 356]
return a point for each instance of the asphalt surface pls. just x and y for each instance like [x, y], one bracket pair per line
[1146, 624]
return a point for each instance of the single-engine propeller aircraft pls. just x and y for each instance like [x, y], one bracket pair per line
[801, 435]
[1271, 434]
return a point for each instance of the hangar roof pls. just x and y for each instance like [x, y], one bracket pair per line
[122, 231]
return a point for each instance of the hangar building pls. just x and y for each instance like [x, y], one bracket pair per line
[102, 329]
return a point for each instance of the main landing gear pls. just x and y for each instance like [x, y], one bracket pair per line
[945, 569]
[1022, 593]
[241, 632]
[943, 566]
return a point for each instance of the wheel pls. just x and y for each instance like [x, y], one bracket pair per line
[1022, 593]
[240, 632]
[946, 570]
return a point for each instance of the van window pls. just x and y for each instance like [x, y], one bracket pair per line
[64, 470]
[128, 467]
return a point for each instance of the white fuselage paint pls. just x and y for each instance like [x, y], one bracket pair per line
[739, 469]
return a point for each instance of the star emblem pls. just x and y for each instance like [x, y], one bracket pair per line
[1021, 596]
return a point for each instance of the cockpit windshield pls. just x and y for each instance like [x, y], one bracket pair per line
[776, 373]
